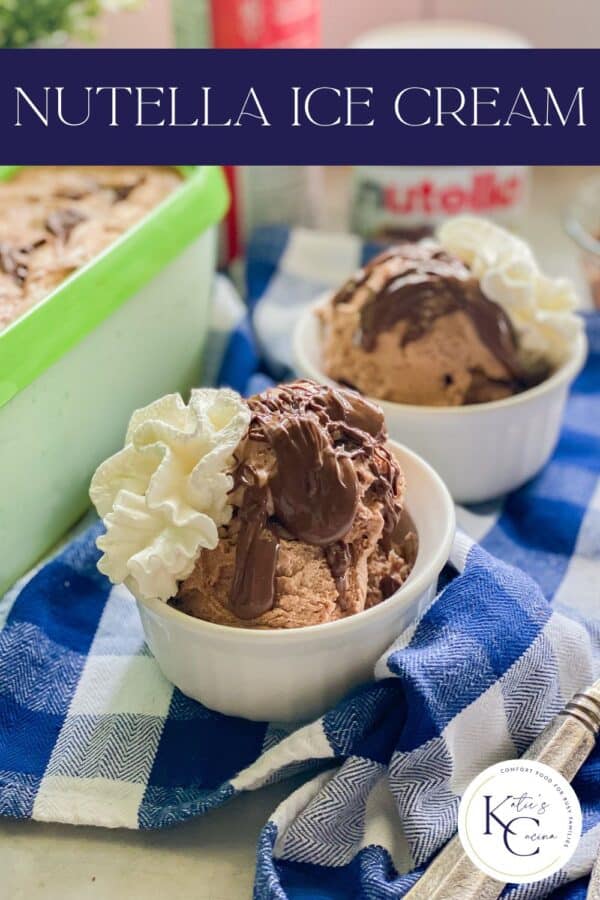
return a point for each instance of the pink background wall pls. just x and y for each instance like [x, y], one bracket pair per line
[544, 22]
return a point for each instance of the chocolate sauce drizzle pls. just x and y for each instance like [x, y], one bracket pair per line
[427, 284]
[316, 435]
[253, 588]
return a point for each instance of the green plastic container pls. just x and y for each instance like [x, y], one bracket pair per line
[118, 333]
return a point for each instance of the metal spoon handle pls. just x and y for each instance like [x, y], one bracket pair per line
[594, 888]
[564, 744]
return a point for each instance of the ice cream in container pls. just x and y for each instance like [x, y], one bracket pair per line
[115, 333]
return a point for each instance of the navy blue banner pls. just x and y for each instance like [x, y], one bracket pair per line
[300, 106]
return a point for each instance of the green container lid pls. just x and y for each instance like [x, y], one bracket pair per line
[43, 334]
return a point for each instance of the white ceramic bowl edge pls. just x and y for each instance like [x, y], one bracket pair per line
[296, 674]
[482, 450]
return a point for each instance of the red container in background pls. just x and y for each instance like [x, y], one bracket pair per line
[246, 24]
[260, 195]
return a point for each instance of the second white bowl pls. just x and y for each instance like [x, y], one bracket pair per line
[482, 450]
[296, 674]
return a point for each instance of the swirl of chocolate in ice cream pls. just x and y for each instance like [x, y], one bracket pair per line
[414, 326]
[311, 455]
[428, 284]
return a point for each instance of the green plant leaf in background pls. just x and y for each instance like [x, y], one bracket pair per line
[24, 23]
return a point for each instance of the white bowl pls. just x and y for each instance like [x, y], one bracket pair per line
[296, 674]
[481, 450]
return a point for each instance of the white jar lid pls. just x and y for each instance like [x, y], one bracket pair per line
[440, 34]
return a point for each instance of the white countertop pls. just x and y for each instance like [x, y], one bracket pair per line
[213, 858]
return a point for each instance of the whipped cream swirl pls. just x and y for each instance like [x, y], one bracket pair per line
[539, 307]
[165, 494]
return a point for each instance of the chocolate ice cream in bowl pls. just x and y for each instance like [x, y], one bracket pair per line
[466, 345]
[275, 545]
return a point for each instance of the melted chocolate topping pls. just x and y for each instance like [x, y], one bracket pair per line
[315, 487]
[348, 289]
[428, 284]
[253, 588]
[315, 435]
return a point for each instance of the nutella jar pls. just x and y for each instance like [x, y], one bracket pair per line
[407, 202]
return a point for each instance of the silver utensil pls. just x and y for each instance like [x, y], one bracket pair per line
[564, 745]
[594, 888]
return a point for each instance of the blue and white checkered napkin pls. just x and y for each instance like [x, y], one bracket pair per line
[90, 731]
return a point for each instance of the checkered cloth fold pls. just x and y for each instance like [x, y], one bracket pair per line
[91, 732]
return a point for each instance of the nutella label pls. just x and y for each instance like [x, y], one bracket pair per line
[393, 201]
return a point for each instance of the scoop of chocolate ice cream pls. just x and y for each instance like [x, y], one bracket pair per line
[318, 502]
[413, 326]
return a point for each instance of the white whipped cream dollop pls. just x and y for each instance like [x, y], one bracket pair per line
[165, 494]
[539, 307]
